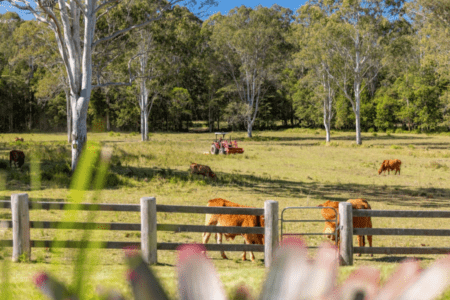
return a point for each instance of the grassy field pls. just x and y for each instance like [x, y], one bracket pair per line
[294, 167]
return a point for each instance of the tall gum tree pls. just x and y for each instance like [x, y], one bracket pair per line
[357, 33]
[250, 43]
[74, 24]
[309, 26]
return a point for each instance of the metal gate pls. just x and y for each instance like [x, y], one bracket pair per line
[335, 233]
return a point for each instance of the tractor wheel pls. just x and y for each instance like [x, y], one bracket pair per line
[222, 151]
[214, 150]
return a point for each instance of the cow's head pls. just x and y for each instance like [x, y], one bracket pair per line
[330, 214]
[330, 228]
[212, 175]
[383, 166]
[256, 239]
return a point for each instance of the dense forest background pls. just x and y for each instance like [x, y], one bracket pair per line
[329, 64]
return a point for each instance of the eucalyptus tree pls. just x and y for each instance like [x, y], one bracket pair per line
[251, 45]
[35, 44]
[311, 26]
[74, 25]
[356, 36]
[432, 21]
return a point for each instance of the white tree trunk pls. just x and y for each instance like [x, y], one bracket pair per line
[143, 105]
[146, 126]
[79, 131]
[142, 125]
[326, 121]
[327, 106]
[249, 129]
[358, 120]
[69, 116]
[108, 122]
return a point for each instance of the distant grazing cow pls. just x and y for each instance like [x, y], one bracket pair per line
[233, 220]
[202, 170]
[358, 222]
[390, 165]
[18, 139]
[18, 157]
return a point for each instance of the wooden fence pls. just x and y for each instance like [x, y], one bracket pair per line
[346, 214]
[149, 227]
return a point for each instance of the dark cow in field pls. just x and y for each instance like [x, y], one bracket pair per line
[202, 170]
[18, 157]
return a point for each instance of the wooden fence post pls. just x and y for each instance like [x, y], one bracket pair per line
[148, 230]
[346, 233]
[20, 226]
[270, 230]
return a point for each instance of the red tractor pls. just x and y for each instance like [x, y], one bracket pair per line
[224, 146]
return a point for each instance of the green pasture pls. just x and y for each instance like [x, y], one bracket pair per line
[294, 167]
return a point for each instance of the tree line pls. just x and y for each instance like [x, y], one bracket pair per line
[365, 65]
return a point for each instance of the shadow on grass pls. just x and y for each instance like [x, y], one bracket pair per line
[333, 138]
[395, 259]
[265, 184]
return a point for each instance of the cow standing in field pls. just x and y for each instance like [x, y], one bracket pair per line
[18, 157]
[233, 220]
[358, 222]
[390, 165]
[202, 170]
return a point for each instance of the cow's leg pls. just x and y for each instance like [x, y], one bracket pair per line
[360, 243]
[252, 256]
[369, 239]
[244, 254]
[219, 241]
[205, 237]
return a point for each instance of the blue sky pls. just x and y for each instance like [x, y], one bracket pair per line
[224, 6]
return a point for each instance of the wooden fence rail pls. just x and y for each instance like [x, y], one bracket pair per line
[21, 226]
[347, 231]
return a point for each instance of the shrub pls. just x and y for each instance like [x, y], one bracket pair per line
[398, 130]
[112, 180]
[371, 129]
[389, 132]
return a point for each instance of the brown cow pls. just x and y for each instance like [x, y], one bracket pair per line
[233, 220]
[390, 165]
[18, 157]
[202, 170]
[358, 222]
[18, 139]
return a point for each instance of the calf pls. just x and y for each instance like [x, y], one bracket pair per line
[390, 165]
[18, 157]
[233, 220]
[202, 170]
[358, 222]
